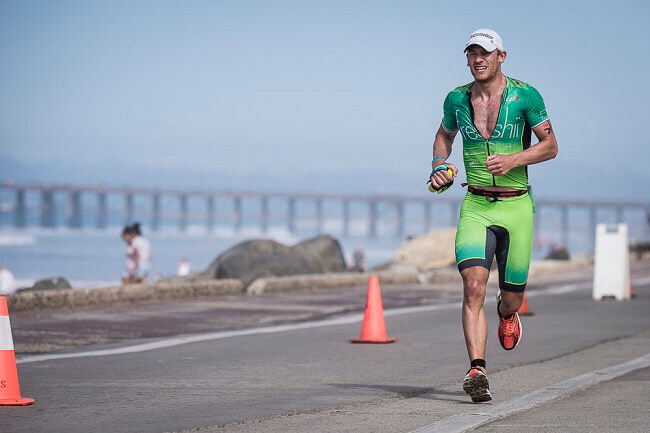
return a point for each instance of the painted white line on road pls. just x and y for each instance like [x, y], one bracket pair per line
[466, 421]
[558, 290]
[186, 339]
[641, 281]
[343, 320]
[196, 338]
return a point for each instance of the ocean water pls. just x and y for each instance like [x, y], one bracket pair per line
[95, 258]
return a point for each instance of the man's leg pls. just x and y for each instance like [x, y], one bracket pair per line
[510, 303]
[474, 251]
[475, 382]
[514, 243]
[474, 323]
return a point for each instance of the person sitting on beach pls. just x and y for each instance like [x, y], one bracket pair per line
[138, 255]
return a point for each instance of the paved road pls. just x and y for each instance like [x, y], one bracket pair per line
[307, 377]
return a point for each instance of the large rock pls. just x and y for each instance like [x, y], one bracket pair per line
[435, 249]
[640, 249]
[323, 252]
[55, 283]
[253, 259]
[558, 252]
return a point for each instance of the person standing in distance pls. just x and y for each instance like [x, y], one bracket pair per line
[495, 115]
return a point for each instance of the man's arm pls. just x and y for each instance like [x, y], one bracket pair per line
[442, 149]
[442, 143]
[546, 149]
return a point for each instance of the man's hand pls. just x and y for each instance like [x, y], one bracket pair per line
[500, 165]
[441, 177]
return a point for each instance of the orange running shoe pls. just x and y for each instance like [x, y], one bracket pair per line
[476, 385]
[510, 330]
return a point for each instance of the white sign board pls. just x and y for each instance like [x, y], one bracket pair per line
[612, 262]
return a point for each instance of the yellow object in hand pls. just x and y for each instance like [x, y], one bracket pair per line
[446, 186]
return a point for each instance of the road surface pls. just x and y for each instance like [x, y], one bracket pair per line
[298, 373]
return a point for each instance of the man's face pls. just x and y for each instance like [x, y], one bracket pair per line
[484, 65]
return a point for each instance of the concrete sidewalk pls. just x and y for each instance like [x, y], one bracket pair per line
[618, 405]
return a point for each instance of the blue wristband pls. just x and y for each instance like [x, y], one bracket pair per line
[437, 159]
[439, 168]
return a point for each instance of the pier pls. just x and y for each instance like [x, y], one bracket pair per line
[52, 206]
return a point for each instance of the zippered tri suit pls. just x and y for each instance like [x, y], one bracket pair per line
[522, 108]
[487, 227]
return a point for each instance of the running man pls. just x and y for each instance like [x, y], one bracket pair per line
[495, 115]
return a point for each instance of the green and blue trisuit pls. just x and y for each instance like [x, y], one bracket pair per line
[490, 226]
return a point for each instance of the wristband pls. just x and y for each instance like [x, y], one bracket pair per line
[438, 158]
[438, 168]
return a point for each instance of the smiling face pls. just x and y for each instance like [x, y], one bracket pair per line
[484, 65]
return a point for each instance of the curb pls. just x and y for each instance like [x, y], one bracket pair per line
[326, 281]
[540, 268]
[71, 298]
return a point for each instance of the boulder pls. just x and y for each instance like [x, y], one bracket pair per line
[640, 249]
[323, 252]
[435, 249]
[257, 258]
[55, 283]
[558, 252]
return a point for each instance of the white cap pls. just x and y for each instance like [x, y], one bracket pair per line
[487, 38]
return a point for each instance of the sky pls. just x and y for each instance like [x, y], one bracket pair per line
[308, 95]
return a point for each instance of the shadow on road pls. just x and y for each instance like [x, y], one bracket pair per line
[410, 391]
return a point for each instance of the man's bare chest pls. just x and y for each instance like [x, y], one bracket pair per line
[486, 114]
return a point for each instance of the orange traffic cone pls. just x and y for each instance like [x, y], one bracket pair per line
[9, 389]
[523, 310]
[373, 329]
